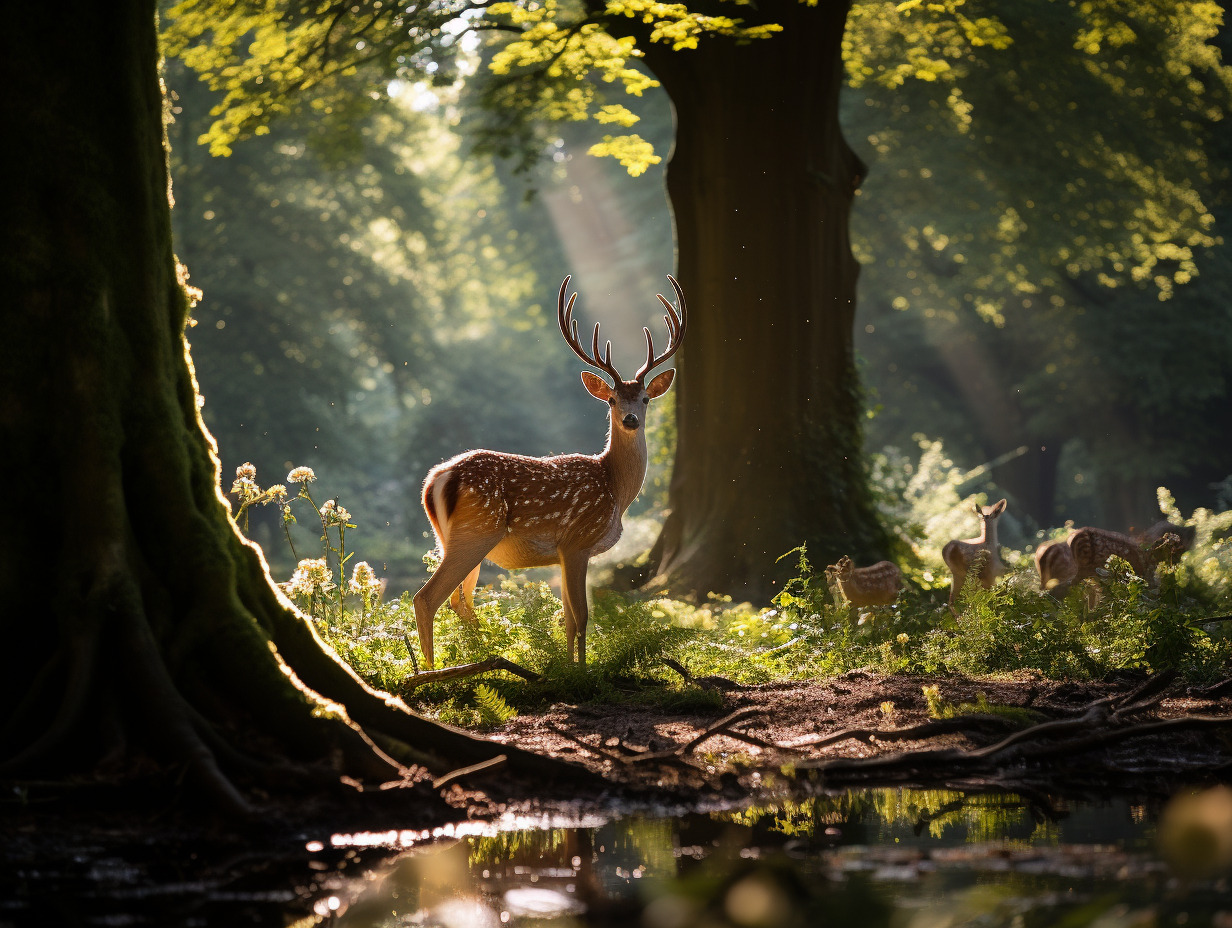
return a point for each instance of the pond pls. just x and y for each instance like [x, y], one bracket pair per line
[911, 858]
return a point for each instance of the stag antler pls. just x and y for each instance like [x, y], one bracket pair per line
[675, 331]
[569, 329]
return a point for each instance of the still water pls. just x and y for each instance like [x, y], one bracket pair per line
[916, 859]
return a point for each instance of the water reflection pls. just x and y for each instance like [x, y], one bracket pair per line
[893, 858]
[918, 859]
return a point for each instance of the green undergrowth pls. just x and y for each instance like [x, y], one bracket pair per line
[806, 632]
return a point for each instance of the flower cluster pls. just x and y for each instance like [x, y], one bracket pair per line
[304, 475]
[333, 514]
[364, 582]
[245, 485]
[310, 576]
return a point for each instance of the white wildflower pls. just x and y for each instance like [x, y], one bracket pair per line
[301, 475]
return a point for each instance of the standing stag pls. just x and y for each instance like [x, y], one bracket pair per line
[1086, 550]
[875, 585]
[961, 556]
[534, 512]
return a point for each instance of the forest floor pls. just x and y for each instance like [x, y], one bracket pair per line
[1025, 733]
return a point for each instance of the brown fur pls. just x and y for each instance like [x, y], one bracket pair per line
[518, 511]
[1167, 541]
[875, 585]
[1085, 552]
[961, 556]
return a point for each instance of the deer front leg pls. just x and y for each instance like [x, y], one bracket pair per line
[457, 563]
[573, 594]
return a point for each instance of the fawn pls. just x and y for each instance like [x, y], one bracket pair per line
[875, 585]
[1086, 550]
[961, 556]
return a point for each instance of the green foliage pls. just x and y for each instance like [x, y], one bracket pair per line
[547, 62]
[1039, 235]
[808, 632]
[375, 314]
[941, 708]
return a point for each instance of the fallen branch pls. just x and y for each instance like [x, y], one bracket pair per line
[423, 678]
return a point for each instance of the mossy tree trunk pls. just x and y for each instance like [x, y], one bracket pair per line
[768, 405]
[140, 630]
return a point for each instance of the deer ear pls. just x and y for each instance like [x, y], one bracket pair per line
[999, 508]
[659, 385]
[596, 386]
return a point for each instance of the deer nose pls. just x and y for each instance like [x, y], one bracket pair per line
[630, 421]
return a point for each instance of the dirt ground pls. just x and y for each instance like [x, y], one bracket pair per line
[1107, 736]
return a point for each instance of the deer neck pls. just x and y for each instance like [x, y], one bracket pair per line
[989, 537]
[625, 460]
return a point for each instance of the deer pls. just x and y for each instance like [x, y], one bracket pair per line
[875, 585]
[1167, 541]
[520, 511]
[961, 555]
[1086, 550]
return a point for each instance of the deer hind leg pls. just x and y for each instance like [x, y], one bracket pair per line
[458, 562]
[956, 583]
[573, 596]
[463, 599]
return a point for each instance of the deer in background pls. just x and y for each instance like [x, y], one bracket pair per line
[1167, 541]
[520, 511]
[1086, 550]
[961, 556]
[875, 585]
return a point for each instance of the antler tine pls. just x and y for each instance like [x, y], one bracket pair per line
[569, 329]
[676, 323]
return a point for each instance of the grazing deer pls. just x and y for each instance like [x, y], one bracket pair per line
[534, 512]
[1167, 541]
[876, 585]
[961, 556]
[1086, 550]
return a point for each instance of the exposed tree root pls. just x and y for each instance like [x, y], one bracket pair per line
[1017, 760]
[960, 723]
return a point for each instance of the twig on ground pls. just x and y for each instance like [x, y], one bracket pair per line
[481, 767]
[706, 683]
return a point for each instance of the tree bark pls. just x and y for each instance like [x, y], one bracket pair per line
[768, 405]
[141, 632]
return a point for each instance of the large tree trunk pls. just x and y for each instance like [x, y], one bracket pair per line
[768, 404]
[141, 632]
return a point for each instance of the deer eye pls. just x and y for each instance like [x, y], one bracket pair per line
[611, 401]
[645, 400]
